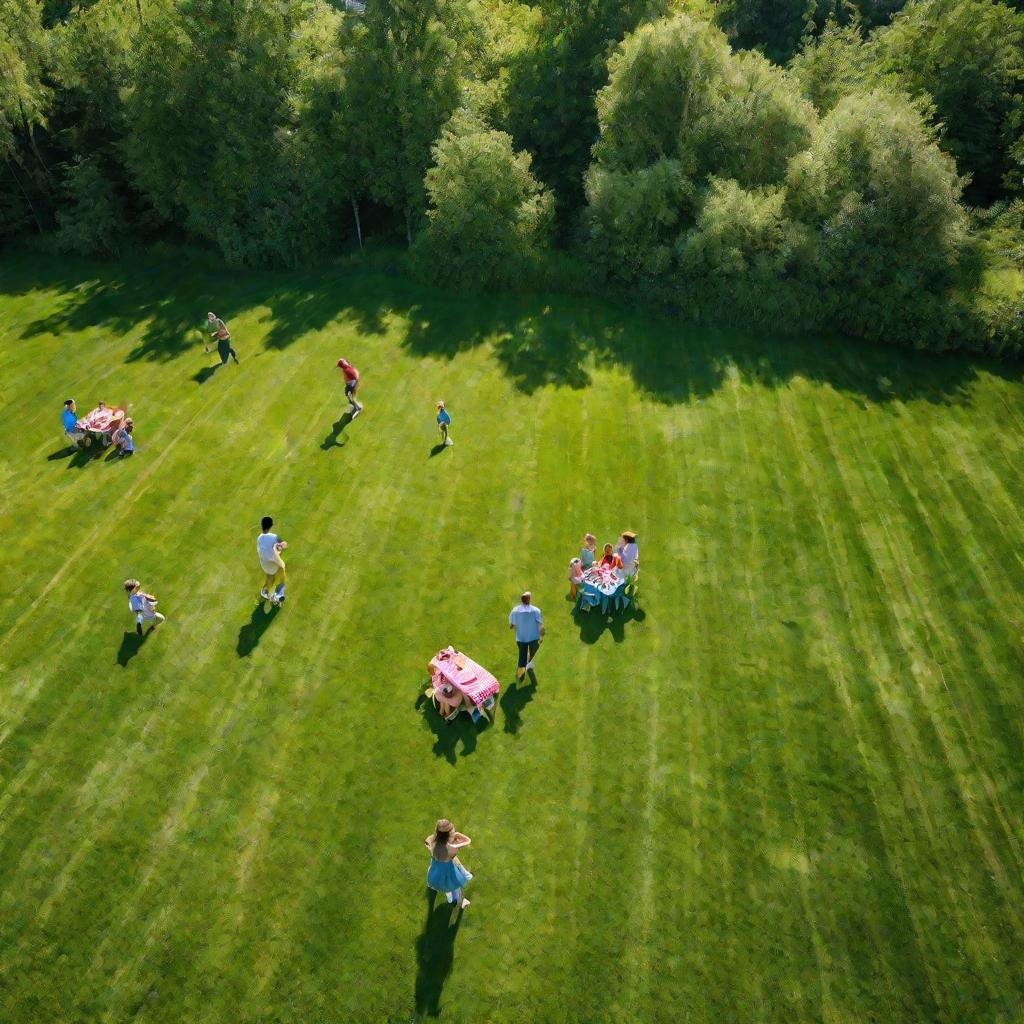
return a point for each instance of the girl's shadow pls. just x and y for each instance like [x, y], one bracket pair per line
[435, 954]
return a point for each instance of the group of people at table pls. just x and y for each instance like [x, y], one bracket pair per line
[606, 578]
[103, 425]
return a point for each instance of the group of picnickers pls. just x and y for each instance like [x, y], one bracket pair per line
[446, 874]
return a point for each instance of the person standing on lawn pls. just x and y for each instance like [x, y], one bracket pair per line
[222, 336]
[444, 422]
[446, 873]
[528, 623]
[351, 384]
[269, 547]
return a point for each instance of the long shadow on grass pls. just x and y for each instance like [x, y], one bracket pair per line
[538, 340]
[461, 730]
[514, 699]
[337, 428]
[131, 644]
[251, 633]
[435, 954]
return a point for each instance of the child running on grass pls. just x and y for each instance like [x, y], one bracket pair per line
[351, 385]
[269, 548]
[141, 605]
[444, 422]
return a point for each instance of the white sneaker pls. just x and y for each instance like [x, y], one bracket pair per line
[449, 443]
[529, 666]
[358, 410]
[264, 594]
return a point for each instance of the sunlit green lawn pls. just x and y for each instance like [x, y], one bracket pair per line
[789, 788]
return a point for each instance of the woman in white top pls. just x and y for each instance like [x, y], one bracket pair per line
[629, 553]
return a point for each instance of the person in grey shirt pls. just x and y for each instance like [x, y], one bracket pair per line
[528, 624]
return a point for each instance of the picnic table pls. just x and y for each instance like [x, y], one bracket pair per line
[453, 668]
[102, 422]
[603, 586]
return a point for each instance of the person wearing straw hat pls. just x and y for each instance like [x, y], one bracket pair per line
[628, 551]
[446, 873]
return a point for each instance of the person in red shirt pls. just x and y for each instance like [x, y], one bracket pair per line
[610, 559]
[351, 383]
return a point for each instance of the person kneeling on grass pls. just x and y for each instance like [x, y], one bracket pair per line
[123, 438]
[142, 606]
[444, 422]
[269, 547]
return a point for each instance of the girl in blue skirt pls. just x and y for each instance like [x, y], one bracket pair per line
[446, 873]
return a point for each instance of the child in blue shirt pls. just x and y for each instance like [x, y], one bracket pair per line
[444, 421]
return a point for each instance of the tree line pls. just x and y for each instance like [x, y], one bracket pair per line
[822, 163]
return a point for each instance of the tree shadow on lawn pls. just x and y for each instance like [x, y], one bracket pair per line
[251, 633]
[448, 735]
[435, 954]
[538, 340]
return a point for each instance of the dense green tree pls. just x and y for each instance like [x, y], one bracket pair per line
[24, 106]
[834, 64]
[552, 85]
[967, 56]
[90, 221]
[675, 90]
[635, 220]
[680, 110]
[403, 84]
[738, 233]
[212, 125]
[881, 202]
[778, 28]
[489, 219]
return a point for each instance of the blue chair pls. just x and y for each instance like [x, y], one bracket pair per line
[589, 597]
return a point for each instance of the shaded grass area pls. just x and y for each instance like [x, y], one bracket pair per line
[787, 787]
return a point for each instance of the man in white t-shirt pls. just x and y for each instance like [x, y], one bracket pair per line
[528, 624]
[269, 547]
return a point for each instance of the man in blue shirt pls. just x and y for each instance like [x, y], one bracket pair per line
[528, 624]
[69, 420]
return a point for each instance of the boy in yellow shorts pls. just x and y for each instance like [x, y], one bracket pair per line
[269, 547]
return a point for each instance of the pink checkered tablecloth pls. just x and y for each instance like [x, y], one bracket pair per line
[452, 667]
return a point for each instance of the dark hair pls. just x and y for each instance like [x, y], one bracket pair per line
[266, 523]
[441, 838]
[69, 401]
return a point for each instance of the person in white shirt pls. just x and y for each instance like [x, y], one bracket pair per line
[269, 547]
[141, 605]
[528, 624]
[629, 553]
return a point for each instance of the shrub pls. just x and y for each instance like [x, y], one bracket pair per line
[489, 219]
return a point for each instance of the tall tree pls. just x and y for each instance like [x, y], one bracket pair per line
[212, 125]
[967, 56]
[403, 83]
[553, 84]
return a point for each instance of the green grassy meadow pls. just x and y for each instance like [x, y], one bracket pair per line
[787, 789]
